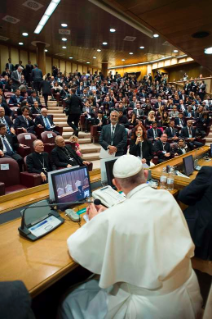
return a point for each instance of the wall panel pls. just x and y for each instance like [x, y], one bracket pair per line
[56, 62]
[192, 70]
[33, 58]
[24, 57]
[48, 64]
[80, 68]
[84, 69]
[62, 66]
[14, 56]
[4, 55]
[68, 67]
[73, 67]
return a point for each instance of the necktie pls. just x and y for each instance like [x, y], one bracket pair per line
[9, 150]
[155, 133]
[112, 134]
[47, 123]
[3, 121]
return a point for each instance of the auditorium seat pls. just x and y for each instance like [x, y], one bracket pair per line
[48, 138]
[27, 139]
[11, 180]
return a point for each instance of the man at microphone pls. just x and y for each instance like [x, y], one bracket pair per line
[141, 250]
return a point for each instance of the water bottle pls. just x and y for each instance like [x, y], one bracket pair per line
[170, 179]
[163, 178]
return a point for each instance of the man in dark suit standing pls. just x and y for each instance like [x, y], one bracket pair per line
[16, 78]
[24, 121]
[197, 195]
[163, 149]
[154, 133]
[28, 72]
[9, 66]
[75, 105]
[114, 136]
[4, 119]
[39, 161]
[37, 78]
[45, 120]
[8, 145]
[189, 133]
[64, 156]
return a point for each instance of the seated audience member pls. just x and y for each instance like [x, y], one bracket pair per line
[24, 121]
[181, 148]
[202, 123]
[45, 120]
[180, 121]
[4, 119]
[16, 99]
[174, 112]
[189, 112]
[147, 109]
[165, 120]
[35, 109]
[181, 106]
[23, 103]
[197, 195]
[133, 121]
[151, 118]
[154, 277]
[34, 98]
[123, 119]
[171, 131]
[140, 146]
[138, 111]
[89, 115]
[100, 120]
[189, 133]
[154, 133]
[8, 85]
[74, 139]
[3, 103]
[163, 149]
[64, 156]
[39, 161]
[199, 111]
[9, 145]
[159, 103]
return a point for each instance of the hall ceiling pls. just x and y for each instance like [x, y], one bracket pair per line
[89, 26]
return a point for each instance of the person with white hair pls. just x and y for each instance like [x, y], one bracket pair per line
[141, 249]
[16, 78]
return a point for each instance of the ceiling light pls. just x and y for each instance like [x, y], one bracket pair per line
[130, 53]
[155, 35]
[141, 47]
[112, 30]
[64, 47]
[208, 50]
[64, 39]
[46, 50]
[25, 34]
[20, 43]
[123, 59]
[94, 57]
[52, 6]
[88, 62]
[104, 43]
[175, 51]
[98, 50]
[64, 25]
[71, 57]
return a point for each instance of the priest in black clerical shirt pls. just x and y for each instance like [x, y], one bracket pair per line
[64, 156]
[39, 161]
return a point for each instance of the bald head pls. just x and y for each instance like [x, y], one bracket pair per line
[38, 146]
[44, 111]
[59, 141]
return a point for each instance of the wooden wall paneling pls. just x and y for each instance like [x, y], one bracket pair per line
[73, 67]
[68, 67]
[48, 64]
[192, 69]
[55, 62]
[84, 69]
[14, 56]
[24, 57]
[33, 58]
[62, 66]
[4, 56]
[80, 68]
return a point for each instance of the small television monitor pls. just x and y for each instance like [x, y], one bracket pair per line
[188, 165]
[69, 185]
[109, 171]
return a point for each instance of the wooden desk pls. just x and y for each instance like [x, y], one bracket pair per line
[181, 182]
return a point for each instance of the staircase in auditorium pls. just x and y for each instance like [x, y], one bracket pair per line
[89, 150]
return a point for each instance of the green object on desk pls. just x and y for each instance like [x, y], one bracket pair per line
[81, 211]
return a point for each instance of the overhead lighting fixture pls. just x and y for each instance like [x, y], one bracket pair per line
[94, 57]
[155, 35]
[71, 57]
[104, 43]
[112, 30]
[64, 47]
[131, 53]
[20, 43]
[141, 47]
[64, 39]
[175, 51]
[46, 50]
[88, 62]
[25, 34]
[64, 25]
[98, 50]
[52, 6]
[208, 50]
[123, 60]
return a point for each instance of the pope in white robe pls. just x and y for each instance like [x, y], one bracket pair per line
[141, 249]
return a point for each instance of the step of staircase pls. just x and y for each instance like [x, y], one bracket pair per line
[89, 148]
[90, 157]
[208, 139]
[60, 123]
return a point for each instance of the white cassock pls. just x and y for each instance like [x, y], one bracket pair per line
[141, 249]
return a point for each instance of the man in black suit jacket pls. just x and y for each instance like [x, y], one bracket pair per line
[45, 120]
[28, 72]
[163, 149]
[180, 121]
[8, 146]
[16, 99]
[74, 104]
[64, 156]
[9, 66]
[33, 98]
[154, 133]
[4, 119]
[189, 133]
[171, 131]
[24, 121]
[35, 109]
[37, 78]
[114, 136]
[39, 161]
[197, 195]
[7, 110]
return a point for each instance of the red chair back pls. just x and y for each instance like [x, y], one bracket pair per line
[10, 177]
[27, 139]
[48, 137]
